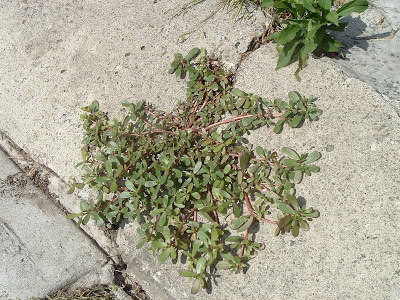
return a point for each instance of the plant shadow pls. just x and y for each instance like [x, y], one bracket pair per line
[355, 35]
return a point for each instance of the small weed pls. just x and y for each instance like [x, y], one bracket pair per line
[307, 29]
[188, 178]
[94, 293]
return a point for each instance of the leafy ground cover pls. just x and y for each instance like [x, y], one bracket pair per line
[189, 178]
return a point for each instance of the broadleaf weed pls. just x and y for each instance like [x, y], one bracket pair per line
[187, 177]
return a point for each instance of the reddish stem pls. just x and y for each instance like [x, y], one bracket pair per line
[183, 223]
[248, 204]
[195, 220]
[150, 131]
[155, 224]
[245, 238]
[238, 118]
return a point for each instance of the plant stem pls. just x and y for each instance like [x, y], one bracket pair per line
[238, 118]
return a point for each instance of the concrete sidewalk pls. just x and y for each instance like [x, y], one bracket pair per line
[40, 250]
[58, 56]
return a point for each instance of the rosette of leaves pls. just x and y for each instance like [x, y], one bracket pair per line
[307, 30]
[182, 175]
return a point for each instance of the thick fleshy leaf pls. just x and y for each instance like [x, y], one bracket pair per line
[224, 265]
[291, 153]
[313, 156]
[186, 273]
[192, 53]
[196, 286]
[201, 265]
[286, 208]
[284, 221]
[246, 225]
[295, 229]
[238, 222]
[164, 255]
[244, 160]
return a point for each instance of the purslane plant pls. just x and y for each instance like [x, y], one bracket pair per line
[188, 178]
[307, 30]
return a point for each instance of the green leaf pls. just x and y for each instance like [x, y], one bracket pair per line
[150, 183]
[140, 245]
[195, 286]
[286, 53]
[296, 120]
[304, 225]
[130, 186]
[308, 4]
[291, 153]
[246, 225]
[164, 255]
[260, 151]
[277, 128]
[313, 156]
[247, 121]
[214, 86]
[287, 34]
[223, 265]
[227, 169]
[325, 5]
[332, 17]
[158, 244]
[313, 168]
[217, 137]
[293, 201]
[295, 229]
[178, 71]
[192, 53]
[353, 6]
[197, 167]
[108, 167]
[186, 273]
[238, 93]
[290, 163]
[267, 3]
[236, 210]
[286, 208]
[294, 96]
[71, 190]
[244, 161]
[284, 221]
[238, 222]
[102, 179]
[201, 265]
[271, 194]
[313, 214]
[298, 176]
[73, 216]
[125, 195]
[208, 209]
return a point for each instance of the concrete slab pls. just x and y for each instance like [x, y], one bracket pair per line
[352, 250]
[372, 43]
[40, 250]
[58, 56]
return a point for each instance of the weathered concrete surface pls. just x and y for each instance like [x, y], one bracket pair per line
[352, 250]
[372, 41]
[58, 56]
[40, 250]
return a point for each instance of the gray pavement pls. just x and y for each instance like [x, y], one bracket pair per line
[58, 56]
[372, 43]
[40, 250]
